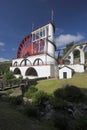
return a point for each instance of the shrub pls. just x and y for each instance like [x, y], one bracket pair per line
[10, 91]
[16, 100]
[8, 75]
[81, 123]
[40, 97]
[30, 92]
[61, 123]
[30, 110]
[59, 104]
[70, 93]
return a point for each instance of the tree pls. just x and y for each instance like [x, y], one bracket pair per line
[8, 75]
[68, 47]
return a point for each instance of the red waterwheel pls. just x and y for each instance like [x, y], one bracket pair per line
[25, 47]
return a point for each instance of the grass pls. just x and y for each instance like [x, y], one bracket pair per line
[49, 86]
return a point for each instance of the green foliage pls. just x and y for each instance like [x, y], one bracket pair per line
[40, 98]
[70, 93]
[68, 47]
[4, 67]
[16, 100]
[8, 76]
[10, 91]
[31, 91]
[59, 104]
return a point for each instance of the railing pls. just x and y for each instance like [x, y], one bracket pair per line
[4, 85]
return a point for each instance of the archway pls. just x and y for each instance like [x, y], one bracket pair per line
[31, 72]
[17, 71]
[66, 61]
[76, 56]
[85, 54]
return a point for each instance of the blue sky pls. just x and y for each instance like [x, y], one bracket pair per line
[17, 16]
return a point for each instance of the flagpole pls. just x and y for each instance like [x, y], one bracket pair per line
[52, 14]
[32, 26]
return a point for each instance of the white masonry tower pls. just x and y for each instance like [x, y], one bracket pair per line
[36, 54]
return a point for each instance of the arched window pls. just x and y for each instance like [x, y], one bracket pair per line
[38, 62]
[25, 62]
[15, 64]
[31, 72]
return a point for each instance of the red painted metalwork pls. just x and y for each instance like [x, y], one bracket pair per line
[27, 48]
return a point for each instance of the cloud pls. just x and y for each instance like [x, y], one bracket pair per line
[59, 31]
[2, 44]
[14, 49]
[67, 38]
[3, 59]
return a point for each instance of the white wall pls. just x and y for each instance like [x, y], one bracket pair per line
[42, 71]
[67, 70]
[77, 67]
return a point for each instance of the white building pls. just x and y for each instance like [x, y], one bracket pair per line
[65, 72]
[36, 54]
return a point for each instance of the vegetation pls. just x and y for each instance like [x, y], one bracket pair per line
[55, 105]
[30, 92]
[49, 86]
[70, 93]
[8, 76]
[4, 67]
[68, 47]
[12, 119]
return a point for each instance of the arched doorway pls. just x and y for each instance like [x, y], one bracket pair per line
[31, 72]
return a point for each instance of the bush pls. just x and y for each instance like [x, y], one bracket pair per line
[61, 123]
[30, 92]
[10, 91]
[16, 100]
[40, 97]
[8, 75]
[31, 110]
[70, 93]
[59, 104]
[81, 123]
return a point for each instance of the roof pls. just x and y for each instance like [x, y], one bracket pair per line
[66, 67]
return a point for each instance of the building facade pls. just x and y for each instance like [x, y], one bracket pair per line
[36, 54]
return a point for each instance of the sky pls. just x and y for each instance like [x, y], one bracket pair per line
[17, 16]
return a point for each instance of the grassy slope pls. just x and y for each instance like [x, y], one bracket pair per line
[79, 80]
[11, 119]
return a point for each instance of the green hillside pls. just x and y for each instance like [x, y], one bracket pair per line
[79, 80]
